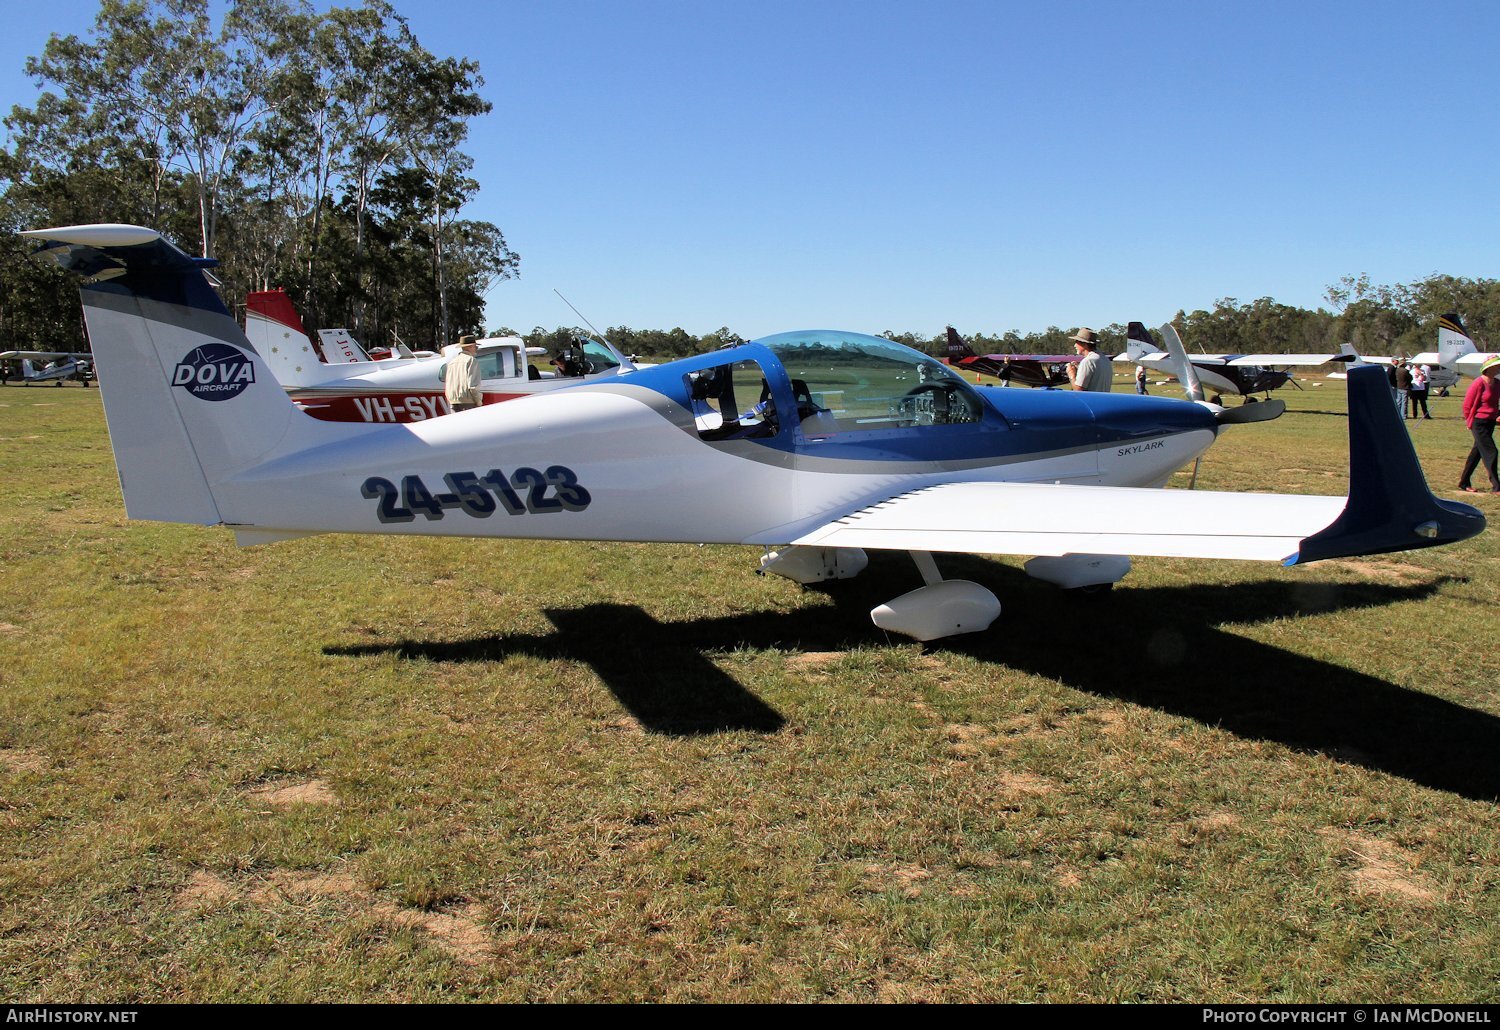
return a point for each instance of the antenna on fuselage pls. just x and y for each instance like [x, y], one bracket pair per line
[597, 334]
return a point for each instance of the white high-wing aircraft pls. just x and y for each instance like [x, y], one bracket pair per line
[1456, 355]
[1242, 374]
[344, 385]
[60, 365]
[814, 445]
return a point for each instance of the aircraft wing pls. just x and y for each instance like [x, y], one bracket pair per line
[1288, 359]
[1049, 519]
[1389, 508]
[1474, 360]
[41, 355]
[1049, 359]
[1197, 359]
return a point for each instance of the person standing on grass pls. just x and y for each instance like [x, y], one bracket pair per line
[1403, 384]
[1420, 378]
[1481, 408]
[1140, 380]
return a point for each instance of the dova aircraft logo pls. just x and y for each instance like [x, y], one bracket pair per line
[214, 372]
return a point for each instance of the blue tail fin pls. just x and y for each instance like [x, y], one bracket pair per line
[1390, 507]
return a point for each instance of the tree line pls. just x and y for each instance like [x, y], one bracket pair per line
[321, 152]
[1378, 320]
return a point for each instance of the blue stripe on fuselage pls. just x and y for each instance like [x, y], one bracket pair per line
[1014, 423]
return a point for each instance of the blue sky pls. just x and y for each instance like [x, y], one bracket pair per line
[880, 165]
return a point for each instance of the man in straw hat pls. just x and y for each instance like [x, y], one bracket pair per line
[461, 379]
[1481, 408]
[1094, 371]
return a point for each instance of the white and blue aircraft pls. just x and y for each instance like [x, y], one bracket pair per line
[59, 366]
[814, 445]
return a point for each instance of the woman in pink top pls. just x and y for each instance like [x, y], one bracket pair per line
[1481, 408]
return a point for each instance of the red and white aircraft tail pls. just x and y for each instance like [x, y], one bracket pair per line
[274, 328]
[271, 319]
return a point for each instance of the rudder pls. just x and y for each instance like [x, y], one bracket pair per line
[186, 397]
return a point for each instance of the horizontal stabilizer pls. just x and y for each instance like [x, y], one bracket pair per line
[1472, 362]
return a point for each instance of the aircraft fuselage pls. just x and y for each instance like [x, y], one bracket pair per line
[638, 458]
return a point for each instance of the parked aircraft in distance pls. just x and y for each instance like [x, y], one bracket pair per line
[815, 445]
[344, 385]
[1041, 370]
[1456, 355]
[60, 365]
[1243, 374]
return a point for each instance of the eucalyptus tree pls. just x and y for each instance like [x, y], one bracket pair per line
[351, 126]
[159, 80]
[1477, 301]
[449, 91]
[478, 257]
[317, 150]
[80, 155]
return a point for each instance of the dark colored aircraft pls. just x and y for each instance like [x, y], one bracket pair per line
[1044, 370]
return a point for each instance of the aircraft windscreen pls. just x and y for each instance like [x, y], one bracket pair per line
[598, 356]
[851, 382]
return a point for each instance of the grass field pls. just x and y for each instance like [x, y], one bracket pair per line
[348, 768]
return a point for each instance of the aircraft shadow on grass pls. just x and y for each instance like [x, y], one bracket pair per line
[1316, 411]
[1168, 648]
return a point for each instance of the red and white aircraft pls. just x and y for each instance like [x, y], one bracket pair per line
[340, 383]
